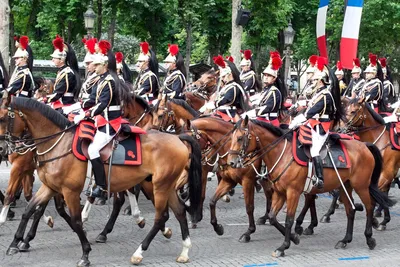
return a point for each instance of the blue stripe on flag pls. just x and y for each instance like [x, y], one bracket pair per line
[323, 3]
[356, 3]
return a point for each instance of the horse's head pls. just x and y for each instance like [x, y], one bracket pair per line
[43, 87]
[242, 143]
[12, 125]
[163, 116]
[206, 83]
[355, 111]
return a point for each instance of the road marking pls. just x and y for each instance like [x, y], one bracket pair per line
[262, 264]
[244, 224]
[354, 258]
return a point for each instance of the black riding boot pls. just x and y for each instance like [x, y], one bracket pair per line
[100, 178]
[318, 172]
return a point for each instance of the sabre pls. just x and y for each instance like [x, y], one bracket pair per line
[340, 179]
[109, 176]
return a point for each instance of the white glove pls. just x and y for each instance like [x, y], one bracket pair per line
[302, 103]
[79, 117]
[297, 121]
[391, 118]
[251, 114]
[210, 105]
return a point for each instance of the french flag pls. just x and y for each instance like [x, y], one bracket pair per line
[350, 31]
[321, 22]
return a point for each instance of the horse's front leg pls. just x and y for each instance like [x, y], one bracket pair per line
[307, 204]
[350, 219]
[135, 211]
[248, 191]
[268, 197]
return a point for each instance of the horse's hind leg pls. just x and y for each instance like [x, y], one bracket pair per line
[369, 204]
[314, 219]
[24, 245]
[248, 191]
[59, 202]
[327, 216]
[268, 197]
[307, 203]
[27, 185]
[350, 218]
[119, 200]
[386, 218]
[2, 197]
[292, 202]
[42, 197]
[134, 207]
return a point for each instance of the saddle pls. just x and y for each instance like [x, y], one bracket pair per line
[301, 149]
[224, 116]
[394, 133]
[127, 151]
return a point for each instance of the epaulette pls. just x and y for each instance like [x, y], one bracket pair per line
[109, 78]
[66, 70]
[247, 75]
[26, 71]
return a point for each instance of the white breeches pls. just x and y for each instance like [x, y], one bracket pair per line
[318, 141]
[100, 140]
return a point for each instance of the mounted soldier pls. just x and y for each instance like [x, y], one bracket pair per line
[372, 90]
[175, 82]
[307, 89]
[104, 106]
[389, 95]
[231, 100]
[67, 84]
[274, 93]
[324, 111]
[147, 83]
[21, 83]
[248, 76]
[340, 76]
[91, 75]
[356, 83]
[123, 71]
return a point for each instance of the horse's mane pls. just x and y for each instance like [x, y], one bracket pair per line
[274, 130]
[141, 101]
[186, 106]
[374, 115]
[210, 71]
[49, 113]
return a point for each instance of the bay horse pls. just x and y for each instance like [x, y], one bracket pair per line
[200, 91]
[369, 126]
[262, 140]
[62, 173]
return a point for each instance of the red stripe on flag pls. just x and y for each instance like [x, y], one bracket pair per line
[348, 51]
[321, 42]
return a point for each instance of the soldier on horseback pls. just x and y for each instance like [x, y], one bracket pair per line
[175, 82]
[340, 76]
[323, 110]
[356, 83]
[21, 83]
[372, 90]
[91, 75]
[274, 93]
[248, 76]
[231, 100]
[147, 84]
[123, 71]
[306, 92]
[104, 106]
[389, 95]
[67, 84]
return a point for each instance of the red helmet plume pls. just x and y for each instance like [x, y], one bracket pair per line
[276, 63]
[91, 44]
[372, 59]
[274, 54]
[247, 54]
[321, 62]
[173, 49]
[119, 57]
[339, 65]
[144, 46]
[104, 47]
[219, 61]
[23, 42]
[58, 43]
[313, 60]
[230, 58]
[356, 62]
[383, 62]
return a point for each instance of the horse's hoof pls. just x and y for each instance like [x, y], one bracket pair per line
[298, 230]
[371, 243]
[359, 207]
[13, 204]
[231, 192]
[277, 253]
[295, 239]
[168, 233]
[128, 211]
[10, 215]
[101, 202]
[181, 259]
[101, 238]
[12, 251]
[142, 223]
[23, 247]
[245, 238]
[325, 219]
[226, 199]
[83, 263]
[136, 260]
[375, 223]
[193, 225]
[377, 214]
[341, 245]
[50, 223]
[261, 221]
[381, 227]
[308, 231]
[219, 229]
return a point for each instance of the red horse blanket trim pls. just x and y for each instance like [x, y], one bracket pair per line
[132, 129]
[274, 122]
[339, 153]
[394, 135]
[84, 134]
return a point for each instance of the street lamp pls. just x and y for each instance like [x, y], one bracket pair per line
[89, 17]
[289, 36]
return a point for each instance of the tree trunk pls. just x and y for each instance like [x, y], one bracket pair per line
[99, 18]
[69, 32]
[4, 31]
[237, 32]
[113, 22]
[257, 59]
[188, 48]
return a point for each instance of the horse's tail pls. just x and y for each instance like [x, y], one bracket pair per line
[195, 184]
[374, 191]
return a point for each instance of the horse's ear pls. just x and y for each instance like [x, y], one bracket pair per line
[245, 122]
[361, 100]
[217, 73]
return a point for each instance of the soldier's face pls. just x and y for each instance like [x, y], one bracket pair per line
[339, 76]
[20, 61]
[369, 75]
[58, 62]
[171, 65]
[355, 75]
[268, 79]
[245, 67]
[90, 67]
[142, 65]
[100, 68]
[310, 75]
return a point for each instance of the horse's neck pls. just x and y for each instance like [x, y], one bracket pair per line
[215, 133]
[181, 113]
[375, 130]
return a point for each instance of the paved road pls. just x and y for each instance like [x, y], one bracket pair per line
[60, 246]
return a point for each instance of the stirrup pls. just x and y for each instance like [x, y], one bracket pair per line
[317, 182]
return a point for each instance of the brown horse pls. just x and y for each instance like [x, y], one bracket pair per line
[272, 144]
[200, 91]
[61, 173]
[370, 127]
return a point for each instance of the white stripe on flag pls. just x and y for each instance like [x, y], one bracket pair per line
[351, 24]
[321, 21]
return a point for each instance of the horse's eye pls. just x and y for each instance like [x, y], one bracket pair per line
[240, 138]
